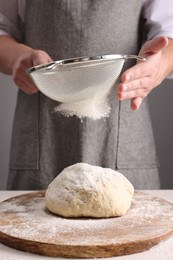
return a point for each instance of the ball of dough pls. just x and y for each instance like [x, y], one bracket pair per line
[89, 191]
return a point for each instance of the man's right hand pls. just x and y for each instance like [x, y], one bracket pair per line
[23, 62]
[16, 58]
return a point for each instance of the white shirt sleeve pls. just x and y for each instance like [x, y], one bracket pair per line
[159, 18]
[158, 15]
[12, 18]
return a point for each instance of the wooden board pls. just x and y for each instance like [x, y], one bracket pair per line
[26, 224]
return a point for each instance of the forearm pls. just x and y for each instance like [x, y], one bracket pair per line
[168, 57]
[9, 51]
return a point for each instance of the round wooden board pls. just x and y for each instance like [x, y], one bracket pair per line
[27, 225]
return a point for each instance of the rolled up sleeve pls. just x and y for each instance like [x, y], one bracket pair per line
[12, 18]
[158, 15]
[159, 18]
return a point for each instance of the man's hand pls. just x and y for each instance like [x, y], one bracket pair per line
[24, 61]
[16, 58]
[138, 81]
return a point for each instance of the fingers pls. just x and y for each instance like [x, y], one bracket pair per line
[136, 84]
[155, 45]
[40, 57]
[26, 85]
[140, 70]
[24, 62]
[135, 103]
[138, 81]
[146, 68]
[21, 79]
[133, 88]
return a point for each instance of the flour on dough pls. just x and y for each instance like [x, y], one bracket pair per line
[90, 191]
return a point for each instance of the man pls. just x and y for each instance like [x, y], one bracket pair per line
[43, 142]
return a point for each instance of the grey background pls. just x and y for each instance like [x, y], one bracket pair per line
[161, 112]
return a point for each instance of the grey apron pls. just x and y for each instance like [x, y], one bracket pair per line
[45, 142]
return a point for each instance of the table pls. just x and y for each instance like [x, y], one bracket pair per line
[162, 251]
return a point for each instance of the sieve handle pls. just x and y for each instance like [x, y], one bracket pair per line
[136, 57]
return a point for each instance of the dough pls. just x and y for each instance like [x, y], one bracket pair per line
[90, 191]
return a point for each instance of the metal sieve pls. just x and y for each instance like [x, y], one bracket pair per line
[77, 79]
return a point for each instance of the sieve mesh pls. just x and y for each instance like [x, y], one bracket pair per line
[74, 83]
[81, 85]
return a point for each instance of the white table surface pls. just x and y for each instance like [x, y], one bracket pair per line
[162, 251]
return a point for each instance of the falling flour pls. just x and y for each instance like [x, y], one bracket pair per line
[92, 99]
[95, 108]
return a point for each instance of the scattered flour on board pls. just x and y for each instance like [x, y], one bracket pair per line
[34, 222]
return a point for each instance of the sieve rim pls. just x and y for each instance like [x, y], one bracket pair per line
[78, 60]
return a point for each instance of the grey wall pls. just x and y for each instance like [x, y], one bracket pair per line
[161, 111]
